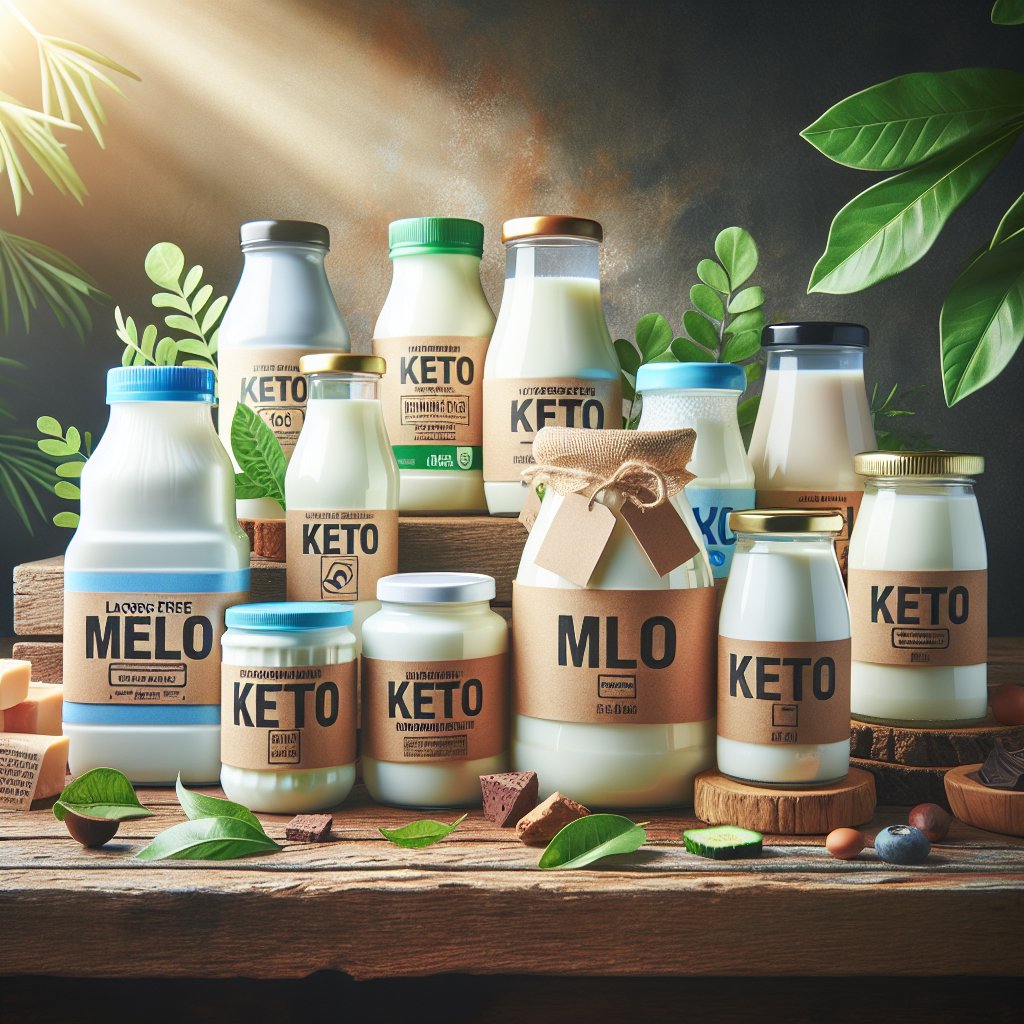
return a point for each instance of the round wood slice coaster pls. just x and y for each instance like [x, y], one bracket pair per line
[791, 812]
[266, 538]
[995, 810]
[930, 748]
[901, 784]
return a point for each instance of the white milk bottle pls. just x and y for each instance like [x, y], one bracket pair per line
[282, 309]
[551, 360]
[703, 396]
[433, 331]
[341, 488]
[918, 591]
[812, 420]
[157, 558]
[613, 682]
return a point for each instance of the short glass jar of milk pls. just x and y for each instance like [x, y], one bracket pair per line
[282, 308]
[433, 331]
[919, 591]
[812, 420]
[551, 361]
[704, 396]
[784, 652]
[342, 488]
[435, 690]
[288, 706]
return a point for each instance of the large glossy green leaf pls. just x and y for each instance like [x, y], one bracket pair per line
[208, 839]
[258, 452]
[589, 839]
[100, 793]
[653, 335]
[1012, 222]
[199, 805]
[1008, 12]
[738, 253]
[894, 223]
[982, 320]
[902, 122]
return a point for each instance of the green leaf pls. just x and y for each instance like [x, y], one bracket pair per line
[212, 317]
[1012, 222]
[590, 839]
[906, 120]
[58, 449]
[653, 335]
[746, 300]
[191, 282]
[629, 358]
[746, 411]
[100, 793]
[166, 352]
[208, 839]
[753, 320]
[201, 298]
[741, 346]
[177, 322]
[982, 320]
[1008, 12]
[49, 426]
[701, 329]
[628, 389]
[67, 490]
[687, 351]
[194, 347]
[713, 276]
[738, 254]
[68, 520]
[73, 439]
[418, 834]
[165, 300]
[753, 371]
[894, 223]
[246, 488]
[258, 452]
[708, 301]
[198, 805]
[164, 264]
[70, 470]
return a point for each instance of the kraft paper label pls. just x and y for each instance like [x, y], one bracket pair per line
[576, 538]
[845, 502]
[432, 398]
[268, 381]
[21, 761]
[614, 656]
[339, 555]
[919, 619]
[780, 693]
[147, 648]
[434, 711]
[711, 507]
[515, 409]
[284, 719]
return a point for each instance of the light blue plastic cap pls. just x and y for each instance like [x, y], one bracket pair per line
[161, 384]
[289, 615]
[680, 376]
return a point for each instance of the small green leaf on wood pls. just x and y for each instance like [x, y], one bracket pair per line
[590, 839]
[737, 251]
[199, 805]
[713, 276]
[653, 335]
[418, 834]
[209, 839]
[100, 793]
[708, 301]
[701, 329]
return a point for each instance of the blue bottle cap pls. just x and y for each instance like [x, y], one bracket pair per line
[161, 384]
[686, 376]
[289, 615]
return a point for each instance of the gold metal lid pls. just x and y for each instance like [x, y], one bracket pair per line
[918, 464]
[547, 226]
[342, 362]
[786, 520]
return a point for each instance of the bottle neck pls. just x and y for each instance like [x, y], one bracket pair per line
[934, 486]
[527, 259]
[816, 357]
[188, 417]
[344, 386]
[784, 544]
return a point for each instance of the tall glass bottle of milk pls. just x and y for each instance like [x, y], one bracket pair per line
[282, 309]
[156, 560]
[703, 396]
[342, 488]
[813, 419]
[551, 362]
[433, 331]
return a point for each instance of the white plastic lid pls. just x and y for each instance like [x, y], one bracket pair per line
[436, 588]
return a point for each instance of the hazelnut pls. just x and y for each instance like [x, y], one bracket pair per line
[932, 820]
[90, 832]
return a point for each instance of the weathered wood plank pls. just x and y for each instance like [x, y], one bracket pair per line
[930, 748]
[900, 784]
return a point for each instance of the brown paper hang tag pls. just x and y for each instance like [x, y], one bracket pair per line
[576, 539]
[662, 534]
[531, 507]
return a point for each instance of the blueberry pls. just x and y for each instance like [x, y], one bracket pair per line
[902, 844]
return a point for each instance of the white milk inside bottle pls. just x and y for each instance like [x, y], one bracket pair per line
[282, 309]
[157, 558]
[433, 331]
[342, 488]
[551, 361]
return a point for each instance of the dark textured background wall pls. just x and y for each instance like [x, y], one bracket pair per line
[666, 121]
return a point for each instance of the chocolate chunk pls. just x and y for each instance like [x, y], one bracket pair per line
[1003, 768]
[309, 828]
[508, 796]
[541, 825]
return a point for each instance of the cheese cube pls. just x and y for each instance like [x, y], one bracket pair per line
[40, 713]
[31, 768]
[14, 680]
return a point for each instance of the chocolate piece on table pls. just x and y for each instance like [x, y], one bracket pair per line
[309, 828]
[541, 825]
[1003, 768]
[508, 796]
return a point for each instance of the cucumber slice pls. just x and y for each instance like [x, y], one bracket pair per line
[724, 842]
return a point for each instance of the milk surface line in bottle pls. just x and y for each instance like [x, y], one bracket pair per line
[282, 308]
[157, 558]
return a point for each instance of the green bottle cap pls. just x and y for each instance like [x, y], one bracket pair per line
[415, 236]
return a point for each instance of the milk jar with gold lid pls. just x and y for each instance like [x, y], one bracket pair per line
[614, 623]
[551, 361]
[919, 590]
[784, 652]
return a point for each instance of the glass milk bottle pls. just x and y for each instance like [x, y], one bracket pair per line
[918, 591]
[703, 396]
[341, 488]
[282, 309]
[433, 331]
[784, 652]
[812, 420]
[551, 360]
[157, 558]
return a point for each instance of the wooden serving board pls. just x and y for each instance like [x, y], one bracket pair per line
[930, 748]
[995, 810]
[719, 800]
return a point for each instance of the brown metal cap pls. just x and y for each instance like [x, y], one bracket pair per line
[551, 226]
[341, 362]
[785, 521]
